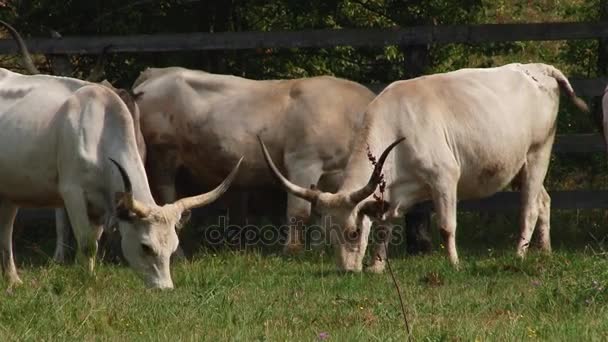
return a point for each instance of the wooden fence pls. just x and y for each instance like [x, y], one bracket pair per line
[465, 34]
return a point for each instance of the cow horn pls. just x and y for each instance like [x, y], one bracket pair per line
[28, 64]
[126, 199]
[363, 193]
[206, 198]
[310, 195]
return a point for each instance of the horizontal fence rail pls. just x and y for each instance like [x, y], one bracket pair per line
[506, 201]
[314, 38]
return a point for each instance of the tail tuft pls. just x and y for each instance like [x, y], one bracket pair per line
[580, 103]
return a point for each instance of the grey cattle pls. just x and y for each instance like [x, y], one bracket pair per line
[204, 122]
[458, 135]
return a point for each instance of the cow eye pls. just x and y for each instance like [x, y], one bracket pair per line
[147, 249]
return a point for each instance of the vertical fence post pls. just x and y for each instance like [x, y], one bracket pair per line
[418, 220]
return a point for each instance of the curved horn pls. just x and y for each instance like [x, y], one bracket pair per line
[310, 195]
[26, 58]
[206, 198]
[374, 180]
[126, 199]
[99, 69]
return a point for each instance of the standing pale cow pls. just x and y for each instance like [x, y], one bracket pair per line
[459, 135]
[206, 121]
[65, 144]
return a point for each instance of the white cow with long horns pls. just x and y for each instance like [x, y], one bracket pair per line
[71, 143]
[463, 134]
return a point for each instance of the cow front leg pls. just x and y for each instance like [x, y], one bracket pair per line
[161, 166]
[86, 235]
[8, 211]
[381, 237]
[298, 210]
[62, 226]
[298, 214]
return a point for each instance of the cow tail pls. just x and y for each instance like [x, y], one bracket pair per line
[567, 87]
[605, 116]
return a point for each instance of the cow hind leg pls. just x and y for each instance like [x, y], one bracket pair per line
[544, 216]
[8, 211]
[86, 235]
[533, 175]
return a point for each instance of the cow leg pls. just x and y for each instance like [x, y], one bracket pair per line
[418, 232]
[544, 216]
[445, 200]
[8, 211]
[298, 210]
[532, 177]
[161, 165]
[61, 227]
[86, 235]
[382, 236]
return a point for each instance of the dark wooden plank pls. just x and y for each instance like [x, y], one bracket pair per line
[579, 143]
[589, 86]
[315, 38]
[510, 201]
[501, 202]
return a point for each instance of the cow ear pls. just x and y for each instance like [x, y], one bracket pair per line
[186, 215]
[375, 209]
[122, 211]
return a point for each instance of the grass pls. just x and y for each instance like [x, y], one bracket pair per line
[252, 296]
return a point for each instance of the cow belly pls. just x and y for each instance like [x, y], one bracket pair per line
[486, 180]
[29, 185]
[30, 194]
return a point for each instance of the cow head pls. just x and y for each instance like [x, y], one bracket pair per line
[149, 231]
[346, 214]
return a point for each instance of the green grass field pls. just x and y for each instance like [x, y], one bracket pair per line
[251, 295]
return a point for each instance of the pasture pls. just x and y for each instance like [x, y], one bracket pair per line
[258, 294]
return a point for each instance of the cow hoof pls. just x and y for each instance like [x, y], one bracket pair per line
[293, 249]
[59, 258]
[377, 267]
[14, 281]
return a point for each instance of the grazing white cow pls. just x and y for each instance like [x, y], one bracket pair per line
[458, 135]
[74, 145]
[62, 65]
[62, 224]
[206, 121]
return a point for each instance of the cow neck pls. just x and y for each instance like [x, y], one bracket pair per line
[359, 168]
[137, 175]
